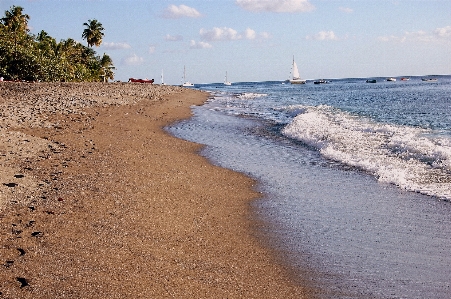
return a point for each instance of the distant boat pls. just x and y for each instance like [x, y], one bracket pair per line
[322, 81]
[371, 81]
[405, 79]
[391, 79]
[141, 80]
[162, 81]
[184, 82]
[429, 79]
[226, 82]
[295, 77]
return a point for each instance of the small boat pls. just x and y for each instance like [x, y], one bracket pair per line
[391, 79]
[141, 80]
[320, 81]
[405, 79]
[162, 82]
[295, 77]
[184, 82]
[371, 81]
[226, 82]
[429, 79]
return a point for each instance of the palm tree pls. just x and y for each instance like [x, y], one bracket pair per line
[43, 36]
[107, 67]
[93, 32]
[15, 26]
[15, 20]
[45, 42]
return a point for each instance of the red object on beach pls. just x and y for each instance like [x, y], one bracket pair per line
[141, 80]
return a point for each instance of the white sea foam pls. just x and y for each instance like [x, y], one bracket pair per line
[250, 95]
[412, 158]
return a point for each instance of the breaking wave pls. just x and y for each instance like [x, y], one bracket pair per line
[412, 158]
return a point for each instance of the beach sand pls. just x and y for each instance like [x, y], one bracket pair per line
[98, 201]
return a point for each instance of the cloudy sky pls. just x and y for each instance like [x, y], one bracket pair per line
[255, 40]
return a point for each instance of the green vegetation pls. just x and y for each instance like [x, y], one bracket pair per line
[24, 56]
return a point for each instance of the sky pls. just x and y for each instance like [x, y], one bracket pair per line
[255, 40]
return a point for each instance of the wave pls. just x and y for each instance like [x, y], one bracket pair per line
[412, 158]
[250, 95]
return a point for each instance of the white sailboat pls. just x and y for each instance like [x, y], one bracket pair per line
[295, 77]
[226, 82]
[186, 83]
[162, 81]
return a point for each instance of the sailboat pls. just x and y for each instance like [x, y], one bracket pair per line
[186, 83]
[295, 77]
[227, 82]
[162, 82]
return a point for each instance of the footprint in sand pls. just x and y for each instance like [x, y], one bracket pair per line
[37, 234]
[23, 281]
[11, 185]
[21, 251]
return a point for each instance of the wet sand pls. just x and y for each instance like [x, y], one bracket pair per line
[98, 201]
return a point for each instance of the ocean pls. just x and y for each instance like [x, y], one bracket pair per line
[355, 177]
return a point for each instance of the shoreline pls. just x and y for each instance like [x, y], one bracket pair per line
[109, 205]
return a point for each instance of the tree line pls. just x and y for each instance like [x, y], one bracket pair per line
[25, 56]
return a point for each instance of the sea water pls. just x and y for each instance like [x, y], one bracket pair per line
[355, 177]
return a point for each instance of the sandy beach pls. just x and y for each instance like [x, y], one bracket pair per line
[98, 201]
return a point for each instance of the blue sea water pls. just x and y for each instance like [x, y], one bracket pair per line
[355, 177]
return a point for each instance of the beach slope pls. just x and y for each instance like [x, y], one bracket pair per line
[98, 201]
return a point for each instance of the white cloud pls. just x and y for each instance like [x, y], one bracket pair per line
[276, 5]
[173, 38]
[346, 9]
[152, 49]
[444, 32]
[437, 35]
[229, 34]
[265, 35]
[199, 45]
[323, 35]
[115, 46]
[250, 33]
[133, 60]
[217, 34]
[421, 36]
[176, 12]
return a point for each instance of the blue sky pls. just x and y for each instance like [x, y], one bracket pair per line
[255, 40]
